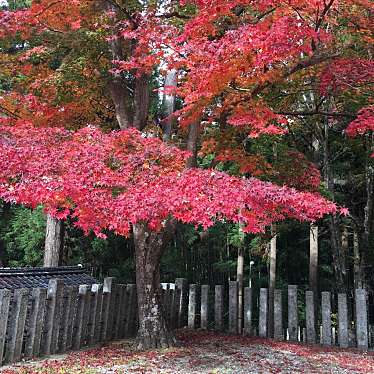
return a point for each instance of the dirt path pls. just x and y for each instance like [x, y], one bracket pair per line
[207, 353]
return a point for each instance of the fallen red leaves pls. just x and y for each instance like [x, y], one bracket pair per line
[208, 352]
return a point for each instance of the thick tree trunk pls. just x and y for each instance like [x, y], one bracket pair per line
[141, 101]
[54, 242]
[153, 329]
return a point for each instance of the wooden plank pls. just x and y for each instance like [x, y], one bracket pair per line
[310, 317]
[361, 319]
[192, 305]
[107, 309]
[94, 323]
[248, 312]
[293, 320]
[343, 327]
[121, 293]
[71, 328]
[131, 323]
[65, 319]
[99, 314]
[204, 310]
[87, 295]
[82, 299]
[278, 315]
[233, 307]
[4, 316]
[326, 318]
[263, 316]
[17, 325]
[181, 284]
[36, 322]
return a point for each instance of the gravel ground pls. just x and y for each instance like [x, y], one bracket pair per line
[207, 353]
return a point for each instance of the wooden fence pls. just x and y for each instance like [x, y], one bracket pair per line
[39, 322]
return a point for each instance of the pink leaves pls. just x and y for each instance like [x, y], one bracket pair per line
[110, 181]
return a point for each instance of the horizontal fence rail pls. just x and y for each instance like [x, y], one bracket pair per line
[39, 322]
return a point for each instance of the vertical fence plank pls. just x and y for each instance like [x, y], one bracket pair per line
[118, 317]
[233, 307]
[65, 321]
[72, 312]
[293, 320]
[17, 325]
[98, 289]
[4, 316]
[248, 311]
[204, 306]
[192, 305]
[94, 312]
[310, 317]
[278, 315]
[175, 307]
[52, 323]
[218, 308]
[343, 336]
[263, 314]
[326, 318]
[361, 319]
[79, 330]
[36, 322]
[131, 322]
[107, 291]
[182, 285]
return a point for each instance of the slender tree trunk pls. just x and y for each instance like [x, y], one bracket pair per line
[239, 279]
[169, 104]
[54, 242]
[313, 259]
[153, 329]
[272, 279]
[357, 268]
[192, 143]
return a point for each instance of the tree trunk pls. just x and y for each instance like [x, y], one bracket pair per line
[153, 329]
[192, 143]
[141, 101]
[357, 268]
[272, 279]
[313, 259]
[169, 104]
[54, 242]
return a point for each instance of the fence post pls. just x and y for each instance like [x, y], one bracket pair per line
[310, 318]
[65, 318]
[17, 325]
[361, 319]
[36, 322]
[54, 295]
[218, 308]
[4, 315]
[95, 313]
[121, 294]
[107, 290]
[182, 303]
[278, 315]
[293, 320]
[248, 311]
[263, 315]
[192, 306]
[204, 310]
[81, 307]
[132, 310]
[326, 318]
[343, 321]
[233, 307]
[72, 316]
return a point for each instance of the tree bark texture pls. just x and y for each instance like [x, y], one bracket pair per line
[272, 279]
[153, 330]
[54, 242]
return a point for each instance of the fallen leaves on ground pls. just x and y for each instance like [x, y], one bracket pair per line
[207, 353]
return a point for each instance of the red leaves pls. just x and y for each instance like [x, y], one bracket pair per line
[110, 181]
[363, 123]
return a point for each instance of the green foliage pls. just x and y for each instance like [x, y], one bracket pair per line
[23, 237]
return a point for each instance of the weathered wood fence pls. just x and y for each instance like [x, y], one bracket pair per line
[39, 322]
